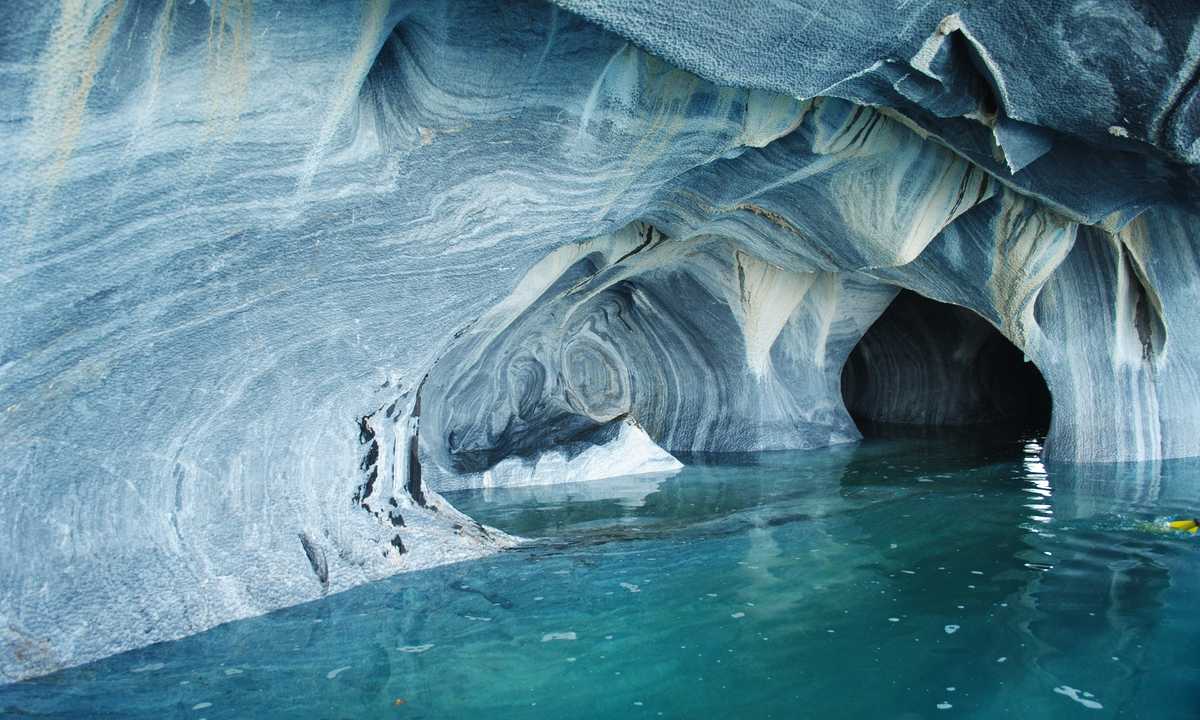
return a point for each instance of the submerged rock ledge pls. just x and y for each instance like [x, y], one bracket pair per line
[278, 272]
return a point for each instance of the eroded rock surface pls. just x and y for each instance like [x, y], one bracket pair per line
[275, 272]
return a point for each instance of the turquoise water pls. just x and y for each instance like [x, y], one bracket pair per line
[903, 578]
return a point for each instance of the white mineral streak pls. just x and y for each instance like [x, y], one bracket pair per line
[767, 295]
[632, 452]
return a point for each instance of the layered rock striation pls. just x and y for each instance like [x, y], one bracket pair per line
[277, 272]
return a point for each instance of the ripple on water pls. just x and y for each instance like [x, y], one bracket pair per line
[825, 616]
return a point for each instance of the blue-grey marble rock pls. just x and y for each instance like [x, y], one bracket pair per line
[1013, 85]
[276, 271]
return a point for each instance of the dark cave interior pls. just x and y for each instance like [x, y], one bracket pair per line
[931, 364]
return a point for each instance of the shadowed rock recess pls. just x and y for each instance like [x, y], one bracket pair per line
[277, 272]
[929, 364]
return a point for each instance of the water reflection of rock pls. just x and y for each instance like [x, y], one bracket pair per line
[1104, 588]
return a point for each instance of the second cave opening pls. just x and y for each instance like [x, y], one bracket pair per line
[928, 364]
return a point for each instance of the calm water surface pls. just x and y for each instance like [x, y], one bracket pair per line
[950, 576]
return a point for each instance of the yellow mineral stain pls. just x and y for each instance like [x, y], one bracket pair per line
[158, 48]
[772, 217]
[159, 43]
[369, 38]
[1030, 245]
[667, 91]
[769, 116]
[67, 72]
[227, 67]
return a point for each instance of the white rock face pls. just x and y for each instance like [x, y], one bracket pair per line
[631, 452]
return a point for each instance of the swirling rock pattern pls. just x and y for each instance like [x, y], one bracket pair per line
[263, 272]
[709, 348]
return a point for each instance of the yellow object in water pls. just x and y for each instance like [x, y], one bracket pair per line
[1190, 525]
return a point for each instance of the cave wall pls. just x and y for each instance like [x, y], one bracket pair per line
[1026, 89]
[262, 259]
[709, 348]
[1093, 308]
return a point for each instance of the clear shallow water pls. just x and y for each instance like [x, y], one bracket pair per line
[904, 578]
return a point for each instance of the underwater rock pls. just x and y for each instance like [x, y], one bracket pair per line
[278, 268]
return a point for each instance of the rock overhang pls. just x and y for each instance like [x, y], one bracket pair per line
[239, 229]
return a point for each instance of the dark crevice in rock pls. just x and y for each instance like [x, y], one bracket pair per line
[1147, 313]
[316, 558]
[365, 433]
[650, 234]
[416, 489]
[394, 516]
[369, 463]
[393, 443]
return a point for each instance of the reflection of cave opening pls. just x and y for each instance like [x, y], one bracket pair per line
[926, 363]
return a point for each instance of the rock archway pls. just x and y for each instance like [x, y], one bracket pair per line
[933, 364]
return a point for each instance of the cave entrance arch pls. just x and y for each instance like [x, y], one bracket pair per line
[925, 363]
